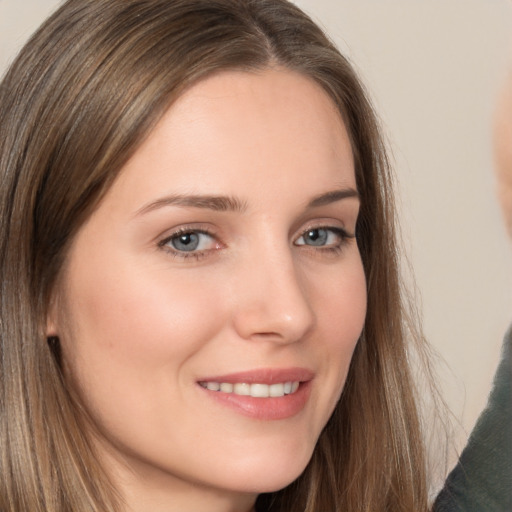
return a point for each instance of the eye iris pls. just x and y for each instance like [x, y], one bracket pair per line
[316, 237]
[186, 242]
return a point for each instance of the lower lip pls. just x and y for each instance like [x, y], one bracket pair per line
[272, 408]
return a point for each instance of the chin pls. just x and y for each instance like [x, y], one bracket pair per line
[270, 475]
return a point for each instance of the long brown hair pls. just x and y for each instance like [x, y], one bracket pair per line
[74, 106]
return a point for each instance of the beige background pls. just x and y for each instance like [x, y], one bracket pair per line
[433, 69]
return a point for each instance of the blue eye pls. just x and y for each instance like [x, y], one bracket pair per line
[189, 241]
[186, 242]
[322, 237]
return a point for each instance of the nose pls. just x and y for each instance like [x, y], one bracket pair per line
[271, 300]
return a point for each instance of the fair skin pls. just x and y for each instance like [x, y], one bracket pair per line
[503, 150]
[224, 254]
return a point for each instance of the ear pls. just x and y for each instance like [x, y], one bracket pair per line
[51, 318]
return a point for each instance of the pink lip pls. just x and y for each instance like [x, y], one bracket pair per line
[264, 376]
[278, 408]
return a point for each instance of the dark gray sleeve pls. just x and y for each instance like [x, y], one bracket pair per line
[482, 479]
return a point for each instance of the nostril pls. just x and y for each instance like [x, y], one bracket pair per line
[268, 324]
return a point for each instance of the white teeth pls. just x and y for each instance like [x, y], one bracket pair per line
[241, 388]
[276, 390]
[259, 390]
[256, 390]
[226, 387]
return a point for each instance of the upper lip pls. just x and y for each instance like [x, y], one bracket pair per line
[264, 376]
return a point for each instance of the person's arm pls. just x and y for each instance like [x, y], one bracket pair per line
[482, 479]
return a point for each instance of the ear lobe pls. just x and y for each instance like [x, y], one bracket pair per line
[51, 318]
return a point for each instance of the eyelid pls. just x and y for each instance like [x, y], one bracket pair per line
[174, 232]
[341, 230]
[187, 229]
[333, 248]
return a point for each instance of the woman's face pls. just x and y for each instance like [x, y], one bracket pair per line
[209, 308]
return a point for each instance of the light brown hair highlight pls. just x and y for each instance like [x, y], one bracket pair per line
[75, 105]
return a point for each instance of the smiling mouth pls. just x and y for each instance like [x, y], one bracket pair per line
[255, 390]
[263, 394]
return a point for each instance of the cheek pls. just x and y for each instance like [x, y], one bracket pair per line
[130, 326]
[341, 317]
[341, 306]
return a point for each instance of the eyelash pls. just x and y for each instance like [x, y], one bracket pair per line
[197, 255]
[341, 233]
[334, 250]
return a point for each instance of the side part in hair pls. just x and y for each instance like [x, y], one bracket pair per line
[75, 105]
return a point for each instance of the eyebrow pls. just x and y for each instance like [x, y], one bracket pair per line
[215, 203]
[332, 197]
[229, 203]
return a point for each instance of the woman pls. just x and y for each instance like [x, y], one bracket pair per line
[188, 320]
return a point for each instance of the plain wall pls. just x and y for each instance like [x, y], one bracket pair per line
[433, 69]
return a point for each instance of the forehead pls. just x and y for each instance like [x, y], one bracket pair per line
[240, 132]
[268, 96]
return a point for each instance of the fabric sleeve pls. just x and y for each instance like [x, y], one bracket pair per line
[482, 479]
